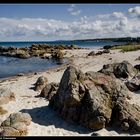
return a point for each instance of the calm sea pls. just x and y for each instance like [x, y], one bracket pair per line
[85, 44]
[10, 66]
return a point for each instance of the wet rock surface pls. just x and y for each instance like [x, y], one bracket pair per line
[36, 50]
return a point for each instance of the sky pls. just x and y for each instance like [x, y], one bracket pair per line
[49, 22]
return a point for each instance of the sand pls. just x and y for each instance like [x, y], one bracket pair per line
[45, 122]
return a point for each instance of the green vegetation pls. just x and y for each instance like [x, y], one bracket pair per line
[127, 48]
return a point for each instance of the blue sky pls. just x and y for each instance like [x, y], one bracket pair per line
[19, 22]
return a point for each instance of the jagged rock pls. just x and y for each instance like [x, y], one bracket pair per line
[137, 67]
[40, 83]
[6, 95]
[49, 90]
[36, 50]
[16, 124]
[20, 74]
[23, 55]
[87, 98]
[57, 54]
[134, 83]
[107, 47]
[92, 53]
[106, 51]
[120, 70]
[126, 115]
[99, 53]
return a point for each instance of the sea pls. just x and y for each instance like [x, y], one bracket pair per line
[10, 66]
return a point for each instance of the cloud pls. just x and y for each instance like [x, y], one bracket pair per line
[118, 14]
[114, 24]
[73, 10]
[135, 10]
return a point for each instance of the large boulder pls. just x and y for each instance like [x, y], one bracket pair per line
[120, 70]
[49, 90]
[87, 98]
[6, 95]
[15, 125]
[40, 83]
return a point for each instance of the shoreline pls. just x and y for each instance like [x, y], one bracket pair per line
[48, 69]
[45, 121]
[56, 68]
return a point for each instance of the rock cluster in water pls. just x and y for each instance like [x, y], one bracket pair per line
[36, 50]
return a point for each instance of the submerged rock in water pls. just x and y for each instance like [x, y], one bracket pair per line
[87, 99]
[120, 70]
[40, 83]
[6, 95]
[36, 50]
[15, 125]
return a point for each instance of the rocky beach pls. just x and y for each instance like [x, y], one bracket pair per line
[96, 93]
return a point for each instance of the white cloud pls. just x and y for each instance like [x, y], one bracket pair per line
[118, 14]
[111, 25]
[73, 10]
[135, 10]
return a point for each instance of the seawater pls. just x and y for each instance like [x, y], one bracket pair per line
[83, 44]
[10, 66]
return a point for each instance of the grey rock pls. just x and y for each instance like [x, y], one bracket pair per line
[6, 95]
[15, 125]
[87, 99]
[120, 70]
[134, 83]
[49, 90]
[40, 83]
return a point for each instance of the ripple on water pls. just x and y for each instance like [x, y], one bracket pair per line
[11, 66]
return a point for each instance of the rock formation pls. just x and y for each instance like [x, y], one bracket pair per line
[40, 83]
[6, 95]
[15, 125]
[94, 99]
[119, 70]
[49, 90]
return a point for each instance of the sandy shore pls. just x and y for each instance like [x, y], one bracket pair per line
[45, 121]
